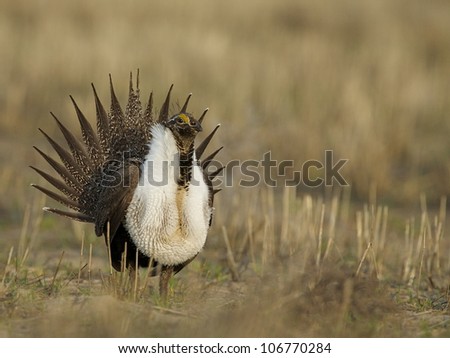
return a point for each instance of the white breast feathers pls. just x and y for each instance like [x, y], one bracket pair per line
[166, 223]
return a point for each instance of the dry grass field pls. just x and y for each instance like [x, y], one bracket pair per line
[368, 80]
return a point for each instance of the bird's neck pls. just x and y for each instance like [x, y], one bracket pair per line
[186, 163]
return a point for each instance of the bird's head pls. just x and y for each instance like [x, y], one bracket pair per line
[184, 128]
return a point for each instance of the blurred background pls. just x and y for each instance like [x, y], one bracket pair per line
[366, 79]
[369, 80]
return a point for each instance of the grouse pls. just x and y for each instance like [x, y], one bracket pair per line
[140, 179]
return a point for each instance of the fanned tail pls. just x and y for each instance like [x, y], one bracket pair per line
[90, 169]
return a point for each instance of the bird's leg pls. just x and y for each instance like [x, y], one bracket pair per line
[164, 277]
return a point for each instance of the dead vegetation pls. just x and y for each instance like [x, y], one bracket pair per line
[290, 266]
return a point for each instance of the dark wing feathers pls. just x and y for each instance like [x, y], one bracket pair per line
[116, 123]
[148, 114]
[67, 160]
[205, 162]
[164, 112]
[135, 126]
[58, 184]
[62, 171]
[122, 199]
[116, 148]
[203, 115]
[90, 139]
[71, 215]
[78, 152]
[201, 148]
[184, 108]
[102, 123]
[72, 204]
[133, 110]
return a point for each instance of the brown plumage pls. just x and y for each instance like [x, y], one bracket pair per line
[99, 174]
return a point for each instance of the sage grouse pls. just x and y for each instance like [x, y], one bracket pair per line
[140, 180]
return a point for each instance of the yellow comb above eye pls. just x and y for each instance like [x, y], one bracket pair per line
[184, 117]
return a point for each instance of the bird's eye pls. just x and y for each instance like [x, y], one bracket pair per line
[179, 120]
[192, 123]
